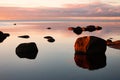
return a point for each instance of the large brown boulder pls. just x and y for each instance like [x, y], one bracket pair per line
[90, 45]
[90, 52]
[27, 50]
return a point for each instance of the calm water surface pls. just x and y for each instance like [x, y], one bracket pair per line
[55, 61]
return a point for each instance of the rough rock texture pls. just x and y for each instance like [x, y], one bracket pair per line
[27, 50]
[90, 52]
[90, 45]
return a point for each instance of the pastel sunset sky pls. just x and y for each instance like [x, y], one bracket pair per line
[54, 9]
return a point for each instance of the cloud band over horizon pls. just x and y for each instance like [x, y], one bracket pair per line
[68, 10]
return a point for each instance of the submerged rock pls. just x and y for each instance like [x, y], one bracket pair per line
[27, 50]
[3, 36]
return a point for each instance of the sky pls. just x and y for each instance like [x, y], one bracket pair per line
[47, 9]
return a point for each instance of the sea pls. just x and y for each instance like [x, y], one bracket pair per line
[55, 60]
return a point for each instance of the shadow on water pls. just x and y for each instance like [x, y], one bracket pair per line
[90, 52]
[3, 36]
[27, 50]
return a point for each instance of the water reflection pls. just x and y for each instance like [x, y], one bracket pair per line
[27, 50]
[90, 52]
[90, 62]
[3, 36]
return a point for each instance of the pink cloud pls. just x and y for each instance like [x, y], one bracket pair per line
[68, 10]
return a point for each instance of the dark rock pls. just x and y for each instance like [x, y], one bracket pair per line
[113, 44]
[49, 28]
[90, 52]
[3, 36]
[77, 30]
[49, 38]
[90, 45]
[98, 28]
[27, 50]
[90, 28]
[24, 36]
[14, 24]
[90, 62]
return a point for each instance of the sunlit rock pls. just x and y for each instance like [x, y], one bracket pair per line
[90, 52]
[27, 50]
[24, 36]
[90, 45]
[3, 36]
[70, 28]
[113, 44]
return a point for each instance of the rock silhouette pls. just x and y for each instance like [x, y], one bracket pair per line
[3, 36]
[24, 36]
[78, 30]
[113, 44]
[90, 52]
[49, 28]
[27, 50]
[90, 44]
[92, 28]
[49, 39]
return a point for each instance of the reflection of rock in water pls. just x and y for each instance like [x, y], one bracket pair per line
[27, 50]
[113, 44]
[90, 52]
[24, 36]
[49, 38]
[90, 62]
[3, 36]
